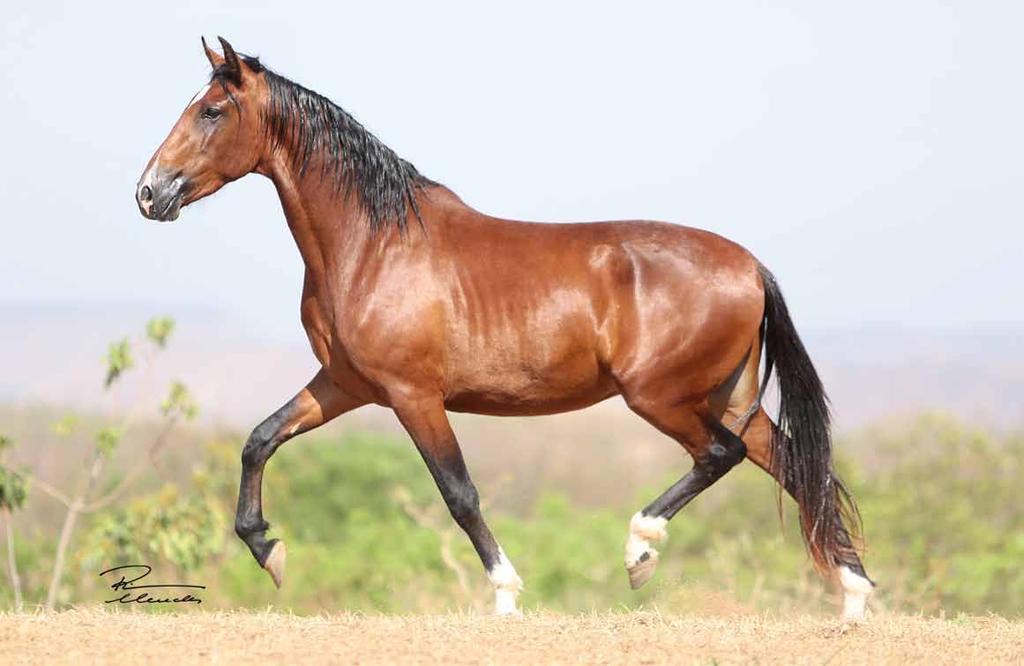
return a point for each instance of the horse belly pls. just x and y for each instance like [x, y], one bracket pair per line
[520, 388]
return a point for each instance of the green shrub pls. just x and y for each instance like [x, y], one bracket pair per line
[366, 530]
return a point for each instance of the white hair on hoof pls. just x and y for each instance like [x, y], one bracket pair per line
[507, 585]
[641, 557]
[856, 590]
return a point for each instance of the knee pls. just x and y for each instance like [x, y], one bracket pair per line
[257, 446]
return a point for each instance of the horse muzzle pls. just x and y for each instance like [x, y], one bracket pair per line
[160, 195]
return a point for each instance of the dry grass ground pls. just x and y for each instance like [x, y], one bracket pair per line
[98, 636]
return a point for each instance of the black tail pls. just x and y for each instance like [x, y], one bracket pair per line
[802, 443]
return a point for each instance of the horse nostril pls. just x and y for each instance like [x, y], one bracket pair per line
[146, 194]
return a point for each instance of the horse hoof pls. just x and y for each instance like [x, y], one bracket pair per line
[275, 562]
[641, 571]
[508, 612]
[854, 619]
[856, 590]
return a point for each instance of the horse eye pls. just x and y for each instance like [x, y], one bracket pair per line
[211, 113]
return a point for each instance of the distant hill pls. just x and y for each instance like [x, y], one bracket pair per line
[54, 356]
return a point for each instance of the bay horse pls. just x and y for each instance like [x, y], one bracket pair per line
[415, 301]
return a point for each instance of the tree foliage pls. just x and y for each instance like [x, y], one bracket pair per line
[119, 360]
[13, 489]
[179, 402]
[159, 329]
[158, 516]
[166, 526]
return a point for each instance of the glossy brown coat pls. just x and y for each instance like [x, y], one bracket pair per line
[462, 311]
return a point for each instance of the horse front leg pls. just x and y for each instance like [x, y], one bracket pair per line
[427, 423]
[313, 406]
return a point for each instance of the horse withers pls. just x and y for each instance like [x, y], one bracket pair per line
[415, 301]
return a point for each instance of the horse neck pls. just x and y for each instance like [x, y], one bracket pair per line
[329, 228]
[334, 236]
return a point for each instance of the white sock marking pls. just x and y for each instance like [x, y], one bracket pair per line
[642, 531]
[856, 590]
[507, 585]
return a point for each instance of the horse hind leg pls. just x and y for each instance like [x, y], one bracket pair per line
[737, 401]
[847, 569]
[715, 450]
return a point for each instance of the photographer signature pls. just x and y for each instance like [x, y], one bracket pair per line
[131, 595]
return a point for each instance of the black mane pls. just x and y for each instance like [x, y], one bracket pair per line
[311, 126]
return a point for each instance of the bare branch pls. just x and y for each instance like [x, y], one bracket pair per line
[36, 482]
[137, 471]
[68, 528]
[423, 519]
[12, 562]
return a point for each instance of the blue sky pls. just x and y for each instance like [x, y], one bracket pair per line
[869, 153]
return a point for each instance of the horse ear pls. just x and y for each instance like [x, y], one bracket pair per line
[233, 65]
[216, 59]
